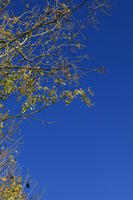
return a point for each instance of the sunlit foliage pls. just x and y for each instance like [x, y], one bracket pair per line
[41, 56]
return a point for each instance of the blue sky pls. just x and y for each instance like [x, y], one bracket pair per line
[88, 153]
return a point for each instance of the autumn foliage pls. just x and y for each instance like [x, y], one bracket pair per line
[41, 56]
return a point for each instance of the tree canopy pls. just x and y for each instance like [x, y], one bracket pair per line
[41, 56]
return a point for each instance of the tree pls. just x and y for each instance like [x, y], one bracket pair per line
[41, 55]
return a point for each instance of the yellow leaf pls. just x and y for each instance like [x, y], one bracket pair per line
[27, 5]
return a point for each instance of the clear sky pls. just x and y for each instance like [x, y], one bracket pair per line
[88, 153]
